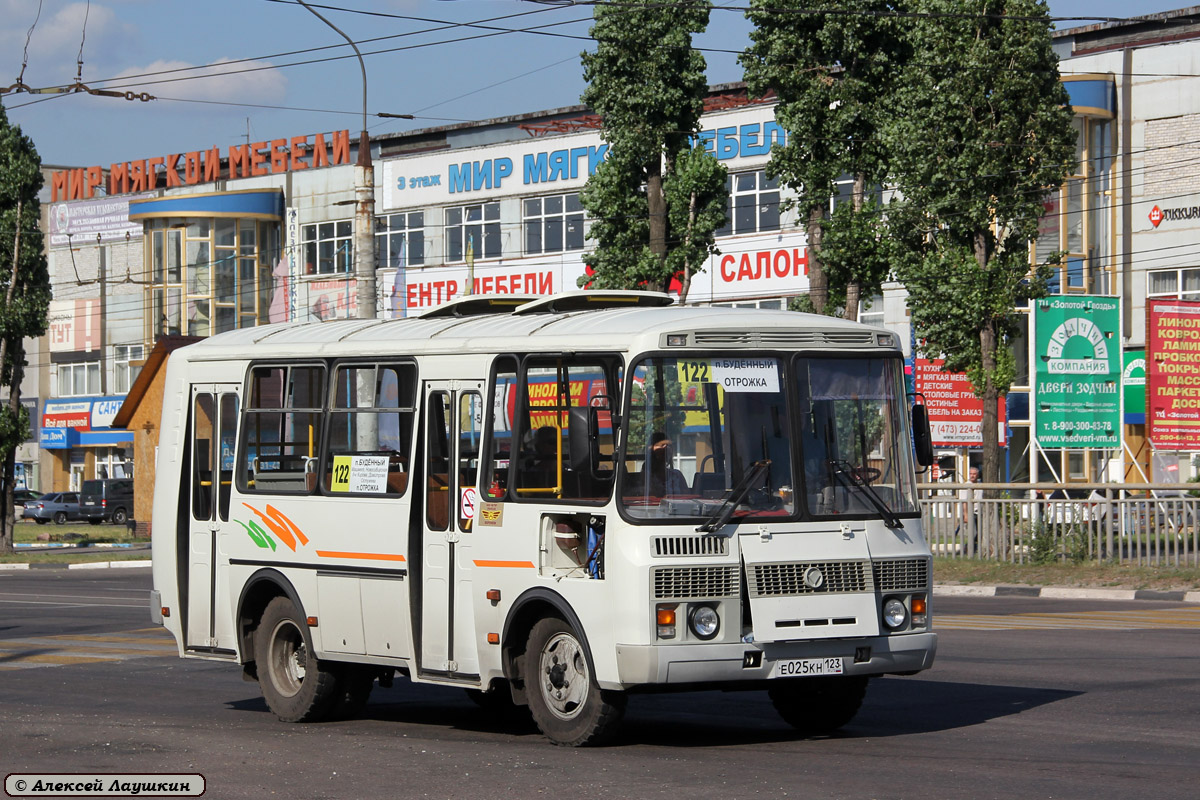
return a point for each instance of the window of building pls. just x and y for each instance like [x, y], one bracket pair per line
[553, 224]
[400, 240]
[1183, 284]
[474, 229]
[125, 373]
[753, 204]
[77, 380]
[870, 310]
[328, 247]
[1077, 217]
[210, 275]
[370, 429]
[281, 429]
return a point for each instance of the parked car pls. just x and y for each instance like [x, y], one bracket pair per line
[20, 498]
[108, 500]
[59, 506]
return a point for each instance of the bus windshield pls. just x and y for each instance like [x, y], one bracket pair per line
[854, 437]
[719, 438]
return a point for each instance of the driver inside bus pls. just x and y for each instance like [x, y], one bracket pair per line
[662, 479]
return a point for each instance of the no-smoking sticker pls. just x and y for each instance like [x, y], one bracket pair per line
[468, 502]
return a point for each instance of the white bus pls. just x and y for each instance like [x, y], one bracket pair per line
[551, 502]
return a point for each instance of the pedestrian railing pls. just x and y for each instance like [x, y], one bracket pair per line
[1143, 524]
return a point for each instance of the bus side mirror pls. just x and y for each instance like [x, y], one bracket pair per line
[922, 437]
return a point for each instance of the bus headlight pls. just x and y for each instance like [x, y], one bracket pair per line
[704, 622]
[895, 614]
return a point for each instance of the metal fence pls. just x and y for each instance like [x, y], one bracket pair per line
[1145, 524]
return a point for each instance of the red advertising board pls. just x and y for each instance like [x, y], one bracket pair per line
[955, 413]
[1173, 374]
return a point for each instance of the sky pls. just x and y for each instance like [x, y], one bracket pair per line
[225, 72]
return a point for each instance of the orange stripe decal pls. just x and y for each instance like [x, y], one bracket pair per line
[279, 515]
[512, 564]
[363, 556]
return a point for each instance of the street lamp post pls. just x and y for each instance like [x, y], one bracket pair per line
[364, 198]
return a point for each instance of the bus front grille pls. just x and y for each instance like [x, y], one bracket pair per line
[902, 574]
[701, 583]
[809, 577]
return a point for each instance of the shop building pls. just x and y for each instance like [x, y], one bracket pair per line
[199, 243]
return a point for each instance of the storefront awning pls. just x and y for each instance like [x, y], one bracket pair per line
[81, 422]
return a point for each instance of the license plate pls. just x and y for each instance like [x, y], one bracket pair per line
[800, 667]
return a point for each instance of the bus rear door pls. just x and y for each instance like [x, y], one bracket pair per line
[213, 432]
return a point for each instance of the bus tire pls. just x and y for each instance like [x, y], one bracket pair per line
[819, 705]
[567, 704]
[296, 686]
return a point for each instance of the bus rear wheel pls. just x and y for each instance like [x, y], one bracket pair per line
[820, 705]
[296, 686]
[567, 704]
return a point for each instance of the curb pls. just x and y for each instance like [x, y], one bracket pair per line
[1066, 593]
[84, 565]
[939, 590]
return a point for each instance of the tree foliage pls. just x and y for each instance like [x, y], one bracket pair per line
[24, 294]
[656, 201]
[979, 132]
[834, 65]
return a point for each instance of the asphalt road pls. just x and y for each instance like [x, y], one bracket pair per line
[1029, 698]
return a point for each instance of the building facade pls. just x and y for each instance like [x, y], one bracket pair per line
[199, 243]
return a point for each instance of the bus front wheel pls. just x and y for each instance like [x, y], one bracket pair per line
[296, 686]
[819, 705]
[567, 704]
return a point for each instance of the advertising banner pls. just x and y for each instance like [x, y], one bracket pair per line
[1133, 381]
[955, 413]
[1077, 366]
[1173, 374]
[106, 218]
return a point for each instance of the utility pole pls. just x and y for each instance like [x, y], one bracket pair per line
[364, 198]
[103, 315]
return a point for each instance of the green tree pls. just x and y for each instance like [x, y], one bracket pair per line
[25, 285]
[979, 132]
[834, 65]
[656, 200]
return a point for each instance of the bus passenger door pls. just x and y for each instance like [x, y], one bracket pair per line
[213, 431]
[453, 423]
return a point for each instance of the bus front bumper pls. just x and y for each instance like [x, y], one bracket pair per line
[640, 665]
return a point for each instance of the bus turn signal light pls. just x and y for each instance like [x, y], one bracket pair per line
[493, 595]
[493, 638]
[665, 615]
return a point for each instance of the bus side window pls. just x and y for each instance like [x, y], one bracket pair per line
[498, 450]
[470, 415]
[437, 480]
[372, 415]
[281, 428]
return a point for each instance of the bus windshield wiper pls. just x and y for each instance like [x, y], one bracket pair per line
[724, 512]
[854, 477]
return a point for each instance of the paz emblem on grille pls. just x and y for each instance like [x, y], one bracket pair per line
[814, 578]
